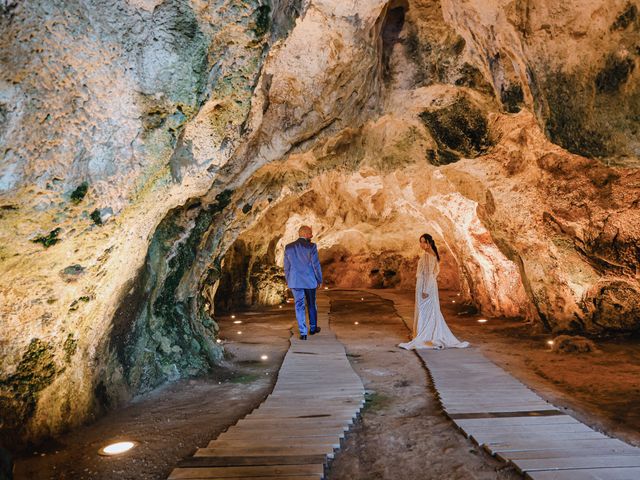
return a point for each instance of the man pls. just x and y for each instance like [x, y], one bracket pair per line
[303, 273]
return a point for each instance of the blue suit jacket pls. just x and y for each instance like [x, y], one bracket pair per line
[302, 265]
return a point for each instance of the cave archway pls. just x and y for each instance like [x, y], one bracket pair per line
[367, 231]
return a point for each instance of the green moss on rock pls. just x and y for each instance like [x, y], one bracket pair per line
[263, 20]
[95, 216]
[80, 192]
[69, 347]
[170, 337]
[19, 391]
[50, 239]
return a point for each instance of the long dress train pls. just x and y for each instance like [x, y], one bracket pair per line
[429, 326]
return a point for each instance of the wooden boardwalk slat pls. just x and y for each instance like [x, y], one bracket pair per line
[320, 449]
[523, 444]
[296, 430]
[577, 462]
[247, 471]
[632, 473]
[247, 461]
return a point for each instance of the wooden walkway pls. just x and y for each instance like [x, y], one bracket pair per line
[296, 430]
[510, 421]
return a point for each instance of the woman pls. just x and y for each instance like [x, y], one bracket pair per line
[431, 331]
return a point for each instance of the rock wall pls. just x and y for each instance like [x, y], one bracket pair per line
[140, 140]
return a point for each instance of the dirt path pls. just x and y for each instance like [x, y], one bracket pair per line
[402, 433]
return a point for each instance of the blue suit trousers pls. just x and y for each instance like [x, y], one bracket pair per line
[300, 295]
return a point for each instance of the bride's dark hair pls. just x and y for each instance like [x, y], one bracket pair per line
[429, 239]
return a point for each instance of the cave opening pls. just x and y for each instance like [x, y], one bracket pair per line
[392, 26]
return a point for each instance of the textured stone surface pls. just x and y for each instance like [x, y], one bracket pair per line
[141, 139]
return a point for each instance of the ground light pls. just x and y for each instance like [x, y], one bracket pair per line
[116, 448]
[237, 322]
[279, 306]
[356, 323]
[239, 332]
[482, 320]
[233, 316]
[550, 342]
[264, 357]
[219, 340]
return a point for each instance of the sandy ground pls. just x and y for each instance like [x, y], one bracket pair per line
[401, 433]
[601, 389]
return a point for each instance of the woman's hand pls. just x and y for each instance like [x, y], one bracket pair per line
[425, 295]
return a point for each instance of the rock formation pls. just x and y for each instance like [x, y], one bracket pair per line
[156, 152]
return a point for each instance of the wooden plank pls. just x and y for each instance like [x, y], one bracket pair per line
[246, 461]
[288, 433]
[578, 462]
[484, 431]
[240, 443]
[490, 439]
[632, 473]
[514, 421]
[537, 444]
[529, 413]
[307, 422]
[278, 427]
[490, 409]
[263, 451]
[247, 471]
[568, 451]
[278, 477]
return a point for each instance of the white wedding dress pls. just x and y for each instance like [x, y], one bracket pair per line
[429, 327]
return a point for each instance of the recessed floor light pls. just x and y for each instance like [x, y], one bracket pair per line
[550, 342]
[239, 332]
[264, 357]
[482, 320]
[116, 448]
[237, 322]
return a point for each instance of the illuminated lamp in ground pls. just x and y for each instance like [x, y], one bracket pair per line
[116, 448]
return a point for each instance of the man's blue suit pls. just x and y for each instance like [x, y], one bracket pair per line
[303, 273]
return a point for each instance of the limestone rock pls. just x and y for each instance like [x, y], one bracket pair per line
[573, 344]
